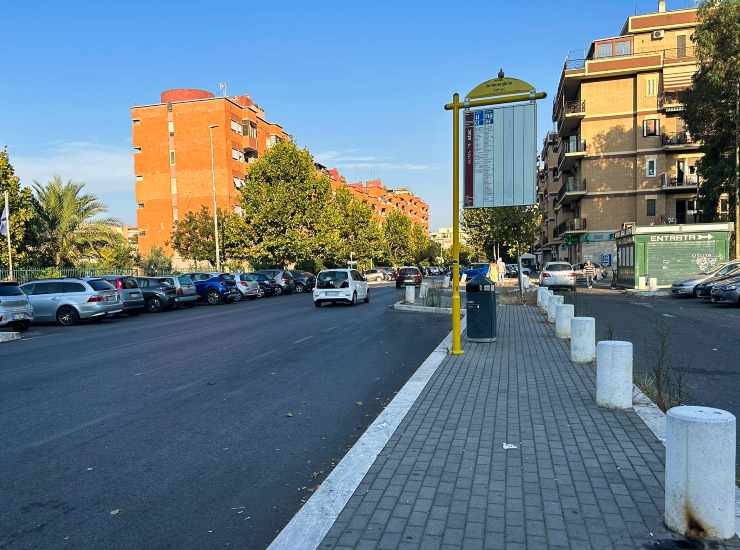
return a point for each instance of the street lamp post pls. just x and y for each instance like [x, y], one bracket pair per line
[213, 190]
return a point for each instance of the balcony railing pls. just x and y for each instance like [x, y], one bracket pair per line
[677, 138]
[575, 224]
[679, 181]
[571, 185]
[569, 146]
[670, 102]
[576, 106]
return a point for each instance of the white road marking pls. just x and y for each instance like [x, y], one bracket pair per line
[301, 340]
[668, 315]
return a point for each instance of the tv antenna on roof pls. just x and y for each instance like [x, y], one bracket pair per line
[223, 86]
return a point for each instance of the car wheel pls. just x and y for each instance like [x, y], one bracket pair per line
[354, 299]
[261, 292]
[21, 326]
[154, 305]
[213, 297]
[299, 288]
[67, 316]
[367, 297]
[237, 297]
[317, 304]
[278, 290]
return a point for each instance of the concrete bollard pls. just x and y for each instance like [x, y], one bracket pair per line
[563, 314]
[541, 293]
[410, 293]
[652, 284]
[423, 289]
[552, 304]
[641, 283]
[614, 374]
[700, 472]
[546, 299]
[582, 339]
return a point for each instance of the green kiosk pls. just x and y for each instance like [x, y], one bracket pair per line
[669, 252]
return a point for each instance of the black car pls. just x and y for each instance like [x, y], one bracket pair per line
[304, 281]
[268, 286]
[158, 295]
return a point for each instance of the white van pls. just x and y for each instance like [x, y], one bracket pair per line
[340, 285]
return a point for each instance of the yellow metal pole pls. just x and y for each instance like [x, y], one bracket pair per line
[456, 336]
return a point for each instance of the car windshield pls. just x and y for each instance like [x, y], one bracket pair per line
[331, 279]
[227, 276]
[100, 284]
[721, 269]
[10, 290]
[270, 272]
[185, 280]
[478, 266]
[409, 271]
[558, 267]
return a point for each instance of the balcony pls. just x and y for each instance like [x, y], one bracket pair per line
[570, 115]
[571, 151]
[571, 190]
[678, 140]
[670, 103]
[679, 183]
[570, 226]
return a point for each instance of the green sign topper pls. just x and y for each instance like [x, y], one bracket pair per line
[499, 87]
[571, 239]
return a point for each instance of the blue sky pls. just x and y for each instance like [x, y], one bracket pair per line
[360, 84]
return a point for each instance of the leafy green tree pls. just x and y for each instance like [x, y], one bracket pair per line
[354, 231]
[118, 254]
[192, 236]
[711, 104]
[284, 206]
[22, 216]
[69, 228]
[156, 262]
[513, 227]
[397, 235]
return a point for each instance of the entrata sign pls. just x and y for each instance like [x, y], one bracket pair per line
[500, 156]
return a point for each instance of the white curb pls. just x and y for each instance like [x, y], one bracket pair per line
[312, 522]
[9, 336]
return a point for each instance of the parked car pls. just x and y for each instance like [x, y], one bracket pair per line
[512, 271]
[246, 285]
[215, 288]
[16, 310]
[283, 278]
[132, 299]
[687, 287]
[304, 281]
[158, 295]
[68, 300]
[408, 275]
[267, 286]
[340, 285]
[374, 275]
[704, 289]
[558, 275]
[727, 292]
[389, 272]
[185, 293]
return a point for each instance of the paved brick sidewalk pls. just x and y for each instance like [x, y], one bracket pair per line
[580, 477]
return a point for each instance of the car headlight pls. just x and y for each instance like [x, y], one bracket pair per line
[730, 287]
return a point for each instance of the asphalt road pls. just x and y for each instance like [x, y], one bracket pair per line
[703, 340]
[202, 428]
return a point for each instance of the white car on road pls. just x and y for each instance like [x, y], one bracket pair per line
[558, 275]
[340, 285]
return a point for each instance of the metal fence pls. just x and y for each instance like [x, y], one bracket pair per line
[25, 275]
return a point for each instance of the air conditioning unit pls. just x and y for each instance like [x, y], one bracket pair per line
[657, 35]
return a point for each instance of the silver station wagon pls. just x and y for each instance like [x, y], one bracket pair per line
[66, 301]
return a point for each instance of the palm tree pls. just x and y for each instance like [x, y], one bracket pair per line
[69, 227]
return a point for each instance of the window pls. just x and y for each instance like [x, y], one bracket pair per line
[171, 128]
[650, 127]
[651, 164]
[172, 157]
[99, 284]
[169, 107]
[136, 121]
[137, 150]
[604, 50]
[724, 205]
[173, 185]
[238, 182]
[651, 85]
[139, 178]
[139, 205]
[650, 207]
[624, 47]
[237, 155]
[236, 127]
[175, 213]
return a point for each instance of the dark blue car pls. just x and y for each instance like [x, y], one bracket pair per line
[215, 288]
[476, 270]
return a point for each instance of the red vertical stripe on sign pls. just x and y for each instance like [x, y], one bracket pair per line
[468, 137]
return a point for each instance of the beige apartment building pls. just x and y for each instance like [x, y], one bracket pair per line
[620, 153]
